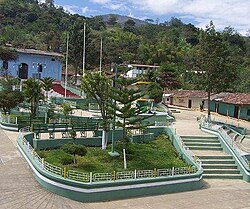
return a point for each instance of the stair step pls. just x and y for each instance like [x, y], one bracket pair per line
[221, 171]
[219, 166]
[204, 148]
[199, 137]
[202, 144]
[218, 161]
[215, 157]
[222, 176]
[200, 140]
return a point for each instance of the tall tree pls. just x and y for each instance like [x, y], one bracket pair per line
[214, 62]
[98, 87]
[126, 110]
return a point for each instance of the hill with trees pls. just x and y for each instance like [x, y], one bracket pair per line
[176, 46]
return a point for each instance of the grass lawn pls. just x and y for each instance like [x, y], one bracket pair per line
[159, 153]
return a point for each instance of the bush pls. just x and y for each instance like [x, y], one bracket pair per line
[66, 160]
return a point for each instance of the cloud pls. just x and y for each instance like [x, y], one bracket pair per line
[223, 13]
[72, 9]
[101, 1]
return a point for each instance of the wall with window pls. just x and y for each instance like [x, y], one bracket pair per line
[34, 66]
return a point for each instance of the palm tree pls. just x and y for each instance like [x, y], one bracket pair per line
[47, 83]
[33, 93]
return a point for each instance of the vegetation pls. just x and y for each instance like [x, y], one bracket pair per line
[33, 93]
[74, 149]
[159, 153]
[172, 44]
[98, 86]
[10, 99]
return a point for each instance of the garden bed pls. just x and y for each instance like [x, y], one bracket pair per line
[159, 154]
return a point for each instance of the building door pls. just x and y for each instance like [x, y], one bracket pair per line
[171, 100]
[23, 71]
[189, 103]
[236, 111]
[217, 107]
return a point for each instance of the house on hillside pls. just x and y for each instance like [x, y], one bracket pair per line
[138, 69]
[235, 105]
[184, 98]
[31, 63]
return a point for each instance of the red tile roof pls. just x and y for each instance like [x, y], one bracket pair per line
[187, 93]
[233, 98]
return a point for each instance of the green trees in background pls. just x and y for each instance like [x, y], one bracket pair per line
[27, 23]
[214, 62]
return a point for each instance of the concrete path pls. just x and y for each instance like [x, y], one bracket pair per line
[19, 189]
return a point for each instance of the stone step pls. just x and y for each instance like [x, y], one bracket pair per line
[205, 148]
[207, 144]
[220, 171]
[199, 137]
[222, 176]
[219, 166]
[215, 157]
[200, 140]
[218, 161]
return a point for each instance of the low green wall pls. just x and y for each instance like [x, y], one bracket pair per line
[96, 141]
[40, 144]
[111, 190]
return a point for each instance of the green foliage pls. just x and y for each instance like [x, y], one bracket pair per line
[74, 149]
[98, 87]
[10, 99]
[159, 153]
[29, 24]
[155, 91]
[33, 93]
[7, 54]
[67, 109]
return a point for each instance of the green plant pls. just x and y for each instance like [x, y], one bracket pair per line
[74, 149]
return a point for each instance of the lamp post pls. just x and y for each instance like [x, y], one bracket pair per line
[113, 153]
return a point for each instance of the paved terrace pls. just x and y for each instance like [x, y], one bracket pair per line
[19, 189]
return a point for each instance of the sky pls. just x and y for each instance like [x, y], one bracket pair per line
[223, 13]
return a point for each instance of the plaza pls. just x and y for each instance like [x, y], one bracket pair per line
[19, 189]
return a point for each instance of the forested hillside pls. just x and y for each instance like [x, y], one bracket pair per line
[176, 46]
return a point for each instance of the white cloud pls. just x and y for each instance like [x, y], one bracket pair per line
[72, 9]
[85, 10]
[235, 13]
[101, 1]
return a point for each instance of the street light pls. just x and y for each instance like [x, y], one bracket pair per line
[113, 153]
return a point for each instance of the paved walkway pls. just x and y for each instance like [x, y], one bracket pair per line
[19, 189]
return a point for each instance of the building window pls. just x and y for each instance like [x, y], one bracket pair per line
[53, 59]
[248, 112]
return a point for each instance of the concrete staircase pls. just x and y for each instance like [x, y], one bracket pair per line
[216, 164]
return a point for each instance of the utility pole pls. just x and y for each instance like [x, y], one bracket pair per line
[66, 68]
[84, 52]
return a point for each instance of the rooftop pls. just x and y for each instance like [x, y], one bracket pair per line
[186, 93]
[39, 52]
[232, 98]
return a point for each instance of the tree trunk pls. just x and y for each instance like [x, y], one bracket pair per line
[104, 139]
[208, 106]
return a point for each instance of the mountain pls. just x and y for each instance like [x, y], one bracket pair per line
[121, 19]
